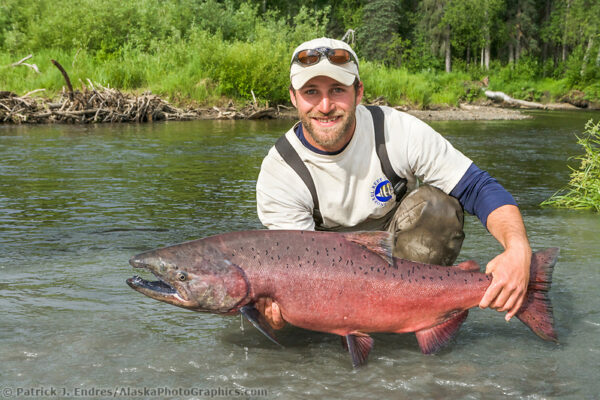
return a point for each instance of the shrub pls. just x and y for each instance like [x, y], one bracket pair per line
[583, 190]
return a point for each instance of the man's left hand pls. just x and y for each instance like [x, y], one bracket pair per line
[510, 277]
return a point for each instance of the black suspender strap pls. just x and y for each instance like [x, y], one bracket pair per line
[398, 183]
[291, 157]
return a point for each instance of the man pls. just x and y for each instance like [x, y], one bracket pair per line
[346, 167]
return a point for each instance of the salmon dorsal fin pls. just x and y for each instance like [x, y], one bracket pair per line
[359, 346]
[379, 242]
[433, 339]
[469, 266]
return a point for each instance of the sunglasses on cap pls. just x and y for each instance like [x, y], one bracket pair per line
[313, 56]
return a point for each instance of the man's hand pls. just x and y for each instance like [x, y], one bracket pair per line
[271, 312]
[510, 269]
[510, 272]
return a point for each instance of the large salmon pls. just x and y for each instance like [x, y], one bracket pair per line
[343, 283]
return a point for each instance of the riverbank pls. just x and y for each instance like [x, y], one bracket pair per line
[96, 104]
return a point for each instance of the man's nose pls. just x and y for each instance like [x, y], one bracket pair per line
[326, 105]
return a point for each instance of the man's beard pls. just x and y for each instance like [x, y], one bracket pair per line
[329, 138]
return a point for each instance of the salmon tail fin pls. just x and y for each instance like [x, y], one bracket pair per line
[536, 311]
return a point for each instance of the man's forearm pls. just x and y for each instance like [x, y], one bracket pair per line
[506, 225]
[510, 269]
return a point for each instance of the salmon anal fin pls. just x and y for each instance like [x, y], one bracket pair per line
[433, 339]
[257, 319]
[468, 265]
[378, 242]
[359, 346]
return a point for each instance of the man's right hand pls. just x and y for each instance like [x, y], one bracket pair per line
[271, 312]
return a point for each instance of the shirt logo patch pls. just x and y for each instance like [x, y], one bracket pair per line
[381, 192]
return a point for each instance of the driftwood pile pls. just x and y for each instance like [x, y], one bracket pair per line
[90, 105]
[95, 104]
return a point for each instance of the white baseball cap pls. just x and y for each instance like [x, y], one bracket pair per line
[344, 73]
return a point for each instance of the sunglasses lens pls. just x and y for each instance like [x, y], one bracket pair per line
[308, 57]
[313, 56]
[339, 56]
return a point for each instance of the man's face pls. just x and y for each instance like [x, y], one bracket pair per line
[327, 111]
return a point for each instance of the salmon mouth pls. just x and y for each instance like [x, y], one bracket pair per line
[159, 287]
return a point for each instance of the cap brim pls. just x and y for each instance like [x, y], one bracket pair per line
[300, 75]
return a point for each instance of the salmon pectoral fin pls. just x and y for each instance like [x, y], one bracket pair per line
[259, 322]
[431, 340]
[359, 347]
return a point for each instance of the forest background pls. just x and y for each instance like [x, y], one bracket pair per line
[415, 53]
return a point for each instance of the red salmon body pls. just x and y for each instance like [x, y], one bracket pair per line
[342, 283]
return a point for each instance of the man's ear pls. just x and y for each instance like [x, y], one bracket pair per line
[293, 96]
[360, 92]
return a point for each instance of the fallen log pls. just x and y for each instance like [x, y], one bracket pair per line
[501, 96]
[264, 113]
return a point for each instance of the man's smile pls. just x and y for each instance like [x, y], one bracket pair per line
[327, 121]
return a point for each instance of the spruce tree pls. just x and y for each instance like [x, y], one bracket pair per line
[380, 27]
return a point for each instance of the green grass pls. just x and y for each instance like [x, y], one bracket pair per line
[417, 90]
[205, 69]
[583, 190]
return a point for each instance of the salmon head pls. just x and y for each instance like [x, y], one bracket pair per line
[193, 275]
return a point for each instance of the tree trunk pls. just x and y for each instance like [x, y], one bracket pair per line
[519, 32]
[448, 50]
[598, 58]
[586, 56]
[564, 41]
[511, 55]
[468, 54]
[518, 45]
[546, 18]
[486, 49]
[482, 57]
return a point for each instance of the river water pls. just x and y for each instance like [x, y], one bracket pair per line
[76, 202]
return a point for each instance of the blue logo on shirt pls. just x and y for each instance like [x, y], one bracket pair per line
[381, 191]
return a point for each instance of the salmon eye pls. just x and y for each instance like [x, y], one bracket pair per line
[182, 276]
